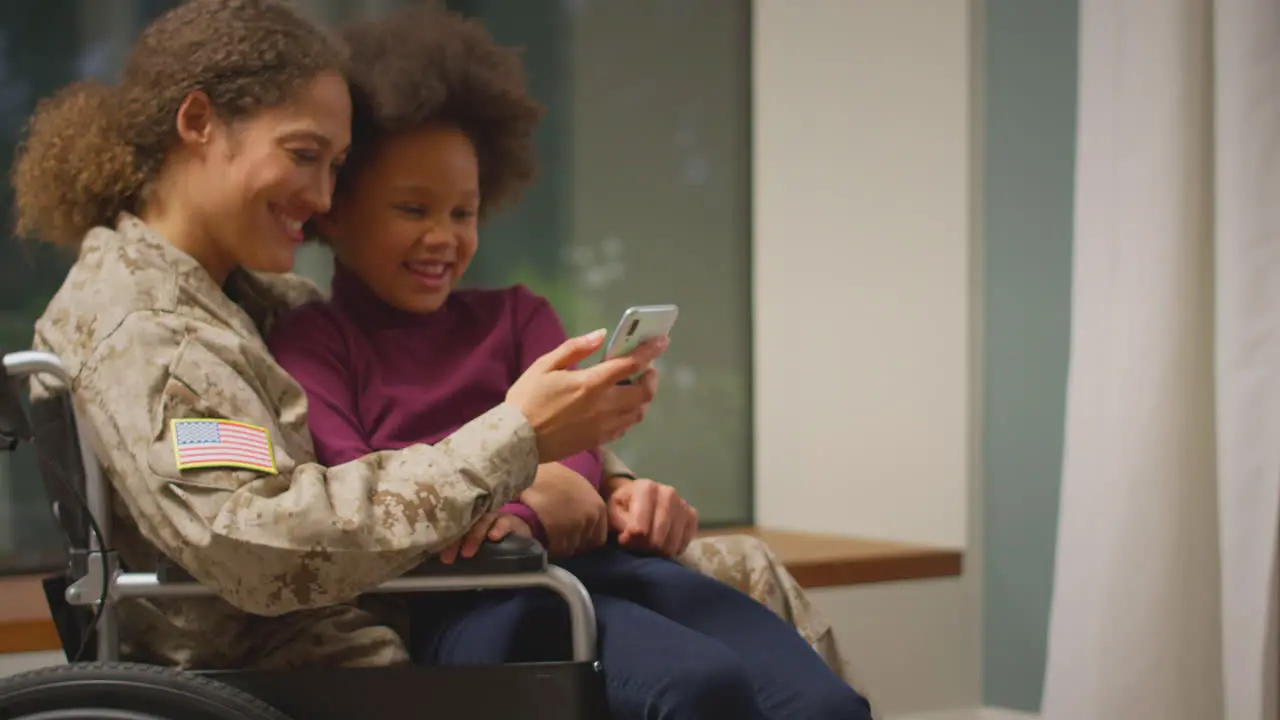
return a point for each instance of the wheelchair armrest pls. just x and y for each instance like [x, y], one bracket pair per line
[509, 556]
[513, 562]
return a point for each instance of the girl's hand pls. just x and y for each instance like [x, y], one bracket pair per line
[650, 516]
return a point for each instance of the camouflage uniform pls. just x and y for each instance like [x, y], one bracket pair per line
[747, 563]
[147, 337]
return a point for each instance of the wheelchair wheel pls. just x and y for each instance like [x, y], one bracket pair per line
[124, 691]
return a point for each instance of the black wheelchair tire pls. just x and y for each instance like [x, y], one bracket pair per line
[125, 691]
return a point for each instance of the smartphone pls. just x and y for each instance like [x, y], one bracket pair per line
[638, 325]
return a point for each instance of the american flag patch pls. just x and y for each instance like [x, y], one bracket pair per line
[206, 443]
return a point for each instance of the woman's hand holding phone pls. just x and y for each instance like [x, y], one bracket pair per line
[640, 323]
[575, 410]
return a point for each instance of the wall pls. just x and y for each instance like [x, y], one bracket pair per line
[867, 150]
[862, 268]
[1030, 120]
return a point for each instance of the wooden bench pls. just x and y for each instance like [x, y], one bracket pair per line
[25, 625]
[816, 561]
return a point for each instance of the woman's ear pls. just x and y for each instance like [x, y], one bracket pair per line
[196, 118]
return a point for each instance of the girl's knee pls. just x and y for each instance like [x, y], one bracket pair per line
[838, 702]
[692, 688]
[705, 686]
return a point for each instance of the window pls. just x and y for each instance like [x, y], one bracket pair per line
[644, 197]
[42, 46]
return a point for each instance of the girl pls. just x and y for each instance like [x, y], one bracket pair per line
[443, 137]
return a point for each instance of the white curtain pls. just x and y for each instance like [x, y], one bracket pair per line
[1165, 595]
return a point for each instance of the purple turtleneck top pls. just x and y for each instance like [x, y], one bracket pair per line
[380, 378]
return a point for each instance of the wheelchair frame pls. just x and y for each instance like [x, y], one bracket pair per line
[570, 690]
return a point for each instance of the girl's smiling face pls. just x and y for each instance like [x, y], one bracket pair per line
[406, 222]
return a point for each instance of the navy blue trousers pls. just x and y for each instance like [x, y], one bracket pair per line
[674, 644]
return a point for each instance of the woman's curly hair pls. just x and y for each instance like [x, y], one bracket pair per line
[418, 67]
[90, 150]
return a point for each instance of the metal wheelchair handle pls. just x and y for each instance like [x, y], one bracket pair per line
[30, 363]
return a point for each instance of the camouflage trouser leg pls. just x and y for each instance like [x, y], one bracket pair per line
[747, 563]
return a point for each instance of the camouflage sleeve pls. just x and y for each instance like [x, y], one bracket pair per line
[306, 535]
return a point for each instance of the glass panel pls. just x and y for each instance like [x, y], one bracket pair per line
[43, 46]
[644, 197]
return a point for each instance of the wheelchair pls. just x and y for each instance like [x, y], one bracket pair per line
[82, 601]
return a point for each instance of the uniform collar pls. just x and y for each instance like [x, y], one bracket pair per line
[145, 249]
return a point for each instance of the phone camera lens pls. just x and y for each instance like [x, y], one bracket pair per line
[632, 330]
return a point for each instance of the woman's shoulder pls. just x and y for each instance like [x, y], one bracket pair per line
[102, 289]
[129, 293]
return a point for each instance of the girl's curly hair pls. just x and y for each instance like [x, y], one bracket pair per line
[421, 66]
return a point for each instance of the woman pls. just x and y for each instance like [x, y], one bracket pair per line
[400, 356]
[222, 139]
